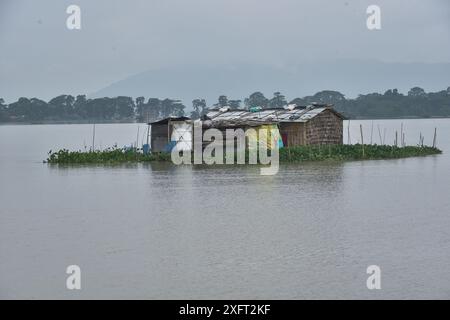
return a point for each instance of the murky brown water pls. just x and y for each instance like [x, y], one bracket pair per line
[162, 231]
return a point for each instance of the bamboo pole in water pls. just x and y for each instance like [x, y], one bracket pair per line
[137, 138]
[143, 137]
[93, 138]
[401, 135]
[434, 138]
[371, 134]
[362, 139]
[349, 141]
[379, 133]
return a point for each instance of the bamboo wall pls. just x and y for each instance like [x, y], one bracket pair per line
[293, 133]
[325, 128]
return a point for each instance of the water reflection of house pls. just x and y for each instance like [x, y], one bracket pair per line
[315, 124]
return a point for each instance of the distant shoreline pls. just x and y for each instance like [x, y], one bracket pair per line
[64, 122]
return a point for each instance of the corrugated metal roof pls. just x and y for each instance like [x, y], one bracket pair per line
[171, 118]
[268, 115]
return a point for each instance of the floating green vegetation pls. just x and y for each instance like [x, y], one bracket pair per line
[353, 152]
[293, 154]
[108, 156]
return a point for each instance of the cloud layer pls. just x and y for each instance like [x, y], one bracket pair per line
[41, 57]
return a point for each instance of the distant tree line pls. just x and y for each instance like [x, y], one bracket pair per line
[67, 108]
[415, 104]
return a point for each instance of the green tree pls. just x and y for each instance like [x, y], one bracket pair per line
[3, 111]
[328, 97]
[199, 106]
[256, 99]
[235, 104]
[61, 107]
[417, 92]
[124, 108]
[222, 101]
[298, 102]
[278, 101]
[25, 109]
[140, 103]
[79, 107]
[154, 108]
[170, 107]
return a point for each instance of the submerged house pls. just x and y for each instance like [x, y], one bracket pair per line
[295, 126]
[298, 125]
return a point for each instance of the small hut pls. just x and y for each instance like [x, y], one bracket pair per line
[170, 133]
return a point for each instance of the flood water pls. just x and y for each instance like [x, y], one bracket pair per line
[159, 231]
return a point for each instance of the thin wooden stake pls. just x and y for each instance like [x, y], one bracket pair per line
[349, 141]
[93, 138]
[362, 140]
[379, 132]
[434, 138]
[137, 138]
[371, 133]
[401, 135]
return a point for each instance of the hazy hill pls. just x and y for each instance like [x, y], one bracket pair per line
[238, 81]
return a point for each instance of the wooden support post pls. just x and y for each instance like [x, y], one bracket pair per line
[434, 138]
[401, 135]
[362, 139]
[371, 134]
[93, 138]
[137, 138]
[349, 141]
[379, 132]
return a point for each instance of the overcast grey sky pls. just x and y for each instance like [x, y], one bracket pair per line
[40, 57]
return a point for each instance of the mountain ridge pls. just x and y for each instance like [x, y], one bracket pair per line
[237, 81]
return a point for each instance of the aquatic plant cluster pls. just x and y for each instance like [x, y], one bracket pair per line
[110, 155]
[292, 154]
[353, 152]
